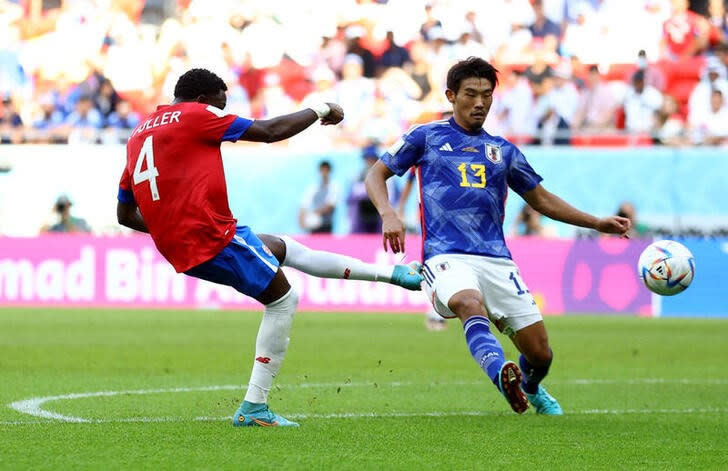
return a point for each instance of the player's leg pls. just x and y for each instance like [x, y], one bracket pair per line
[535, 360]
[246, 266]
[271, 344]
[292, 253]
[515, 313]
[454, 290]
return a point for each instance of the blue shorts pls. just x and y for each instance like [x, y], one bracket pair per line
[245, 263]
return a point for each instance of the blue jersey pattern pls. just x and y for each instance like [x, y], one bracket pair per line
[464, 179]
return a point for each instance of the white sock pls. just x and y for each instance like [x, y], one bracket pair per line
[332, 265]
[271, 346]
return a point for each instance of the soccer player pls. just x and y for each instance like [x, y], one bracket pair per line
[464, 174]
[173, 187]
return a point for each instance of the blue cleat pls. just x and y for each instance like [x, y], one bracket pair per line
[509, 383]
[544, 402]
[408, 276]
[258, 415]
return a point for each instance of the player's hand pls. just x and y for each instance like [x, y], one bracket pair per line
[393, 231]
[614, 225]
[335, 116]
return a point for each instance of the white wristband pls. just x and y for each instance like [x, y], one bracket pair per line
[321, 109]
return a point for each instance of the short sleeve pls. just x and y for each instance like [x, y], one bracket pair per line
[217, 125]
[522, 178]
[406, 152]
[125, 193]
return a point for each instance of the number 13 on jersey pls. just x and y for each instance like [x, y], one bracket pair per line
[478, 172]
[151, 173]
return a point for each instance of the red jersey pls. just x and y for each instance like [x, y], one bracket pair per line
[680, 32]
[174, 173]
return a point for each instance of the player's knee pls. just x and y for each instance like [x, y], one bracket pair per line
[467, 305]
[541, 356]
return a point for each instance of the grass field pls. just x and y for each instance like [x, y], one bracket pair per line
[370, 391]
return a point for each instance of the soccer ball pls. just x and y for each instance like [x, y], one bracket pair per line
[666, 267]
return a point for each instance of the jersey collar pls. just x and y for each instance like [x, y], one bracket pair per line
[465, 131]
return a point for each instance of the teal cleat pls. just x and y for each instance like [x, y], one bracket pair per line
[509, 384]
[408, 276]
[544, 402]
[258, 415]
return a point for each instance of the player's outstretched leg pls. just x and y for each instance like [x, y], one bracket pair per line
[485, 348]
[535, 361]
[322, 264]
[270, 348]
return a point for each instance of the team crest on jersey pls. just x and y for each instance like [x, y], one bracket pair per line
[493, 153]
[442, 266]
[267, 250]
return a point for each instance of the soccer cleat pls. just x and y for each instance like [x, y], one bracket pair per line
[408, 276]
[509, 383]
[544, 402]
[258, 415]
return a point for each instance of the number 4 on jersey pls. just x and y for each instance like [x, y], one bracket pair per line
[151, 173]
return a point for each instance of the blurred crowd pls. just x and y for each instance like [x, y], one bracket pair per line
[572, 71]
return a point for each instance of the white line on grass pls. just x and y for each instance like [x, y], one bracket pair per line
[375, 415]
[34, 406]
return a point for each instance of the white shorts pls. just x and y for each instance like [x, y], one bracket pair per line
[508, 301]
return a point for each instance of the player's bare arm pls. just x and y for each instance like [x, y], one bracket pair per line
[282, 127]
[554, 207]
[128, 215]
[392, 226]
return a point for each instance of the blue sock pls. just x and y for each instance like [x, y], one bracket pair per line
[484, 346]
[532, 375]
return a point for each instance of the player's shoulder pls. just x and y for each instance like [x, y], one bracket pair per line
[424, 128]
[507, 147]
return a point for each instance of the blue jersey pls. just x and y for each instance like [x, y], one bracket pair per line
[464, 179]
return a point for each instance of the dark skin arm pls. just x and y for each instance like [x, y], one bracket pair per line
[554, 207]
[128, 215]
[282, 127]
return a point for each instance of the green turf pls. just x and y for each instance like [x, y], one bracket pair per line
[638, 393]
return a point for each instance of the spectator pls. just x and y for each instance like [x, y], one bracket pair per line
[363, 215]
[545, 33]
[718, 21]
[597, 105]
[638, 229]
[394, 55]
[120, 123]
[355, 93]
[515, 106]
[419, 70]
[316, 214]
[640, 104]
[466, 46]
[654, 77]
[555, 109]
[471, 26]
[669, 124]
[538, 73]
[430, 23]
[713, 128]
[354, 35]
[529, 223]
[713, 78]
[49, 119]
[106, 99]
[685, 33]
[84, 123]
[721, 53]
[11, 126]
[581, 37]
[66, 222]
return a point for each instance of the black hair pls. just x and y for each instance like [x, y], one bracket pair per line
[638, 76]
[324, 163]
[196, 82]
[469, 68]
